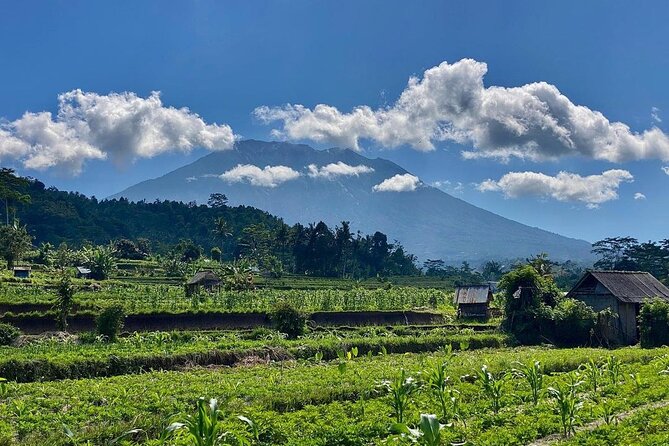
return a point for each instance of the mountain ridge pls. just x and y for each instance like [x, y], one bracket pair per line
[428, 222]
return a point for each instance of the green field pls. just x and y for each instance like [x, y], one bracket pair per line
[334, 385]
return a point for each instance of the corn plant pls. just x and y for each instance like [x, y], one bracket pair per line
[400, 390]
[568, 405]
[637, 380]
[492, 386]
[204, 428]
[428, 432]
[593, 374]
[437, 383]
[533, 374]
[613, 369]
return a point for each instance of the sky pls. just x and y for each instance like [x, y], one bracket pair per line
[555, 115]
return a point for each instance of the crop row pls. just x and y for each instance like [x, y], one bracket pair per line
[160, 351]
[315, 402]
[136, 298]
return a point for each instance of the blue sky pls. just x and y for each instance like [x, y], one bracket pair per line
[222, 60]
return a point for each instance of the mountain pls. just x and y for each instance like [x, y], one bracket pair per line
[427, 221]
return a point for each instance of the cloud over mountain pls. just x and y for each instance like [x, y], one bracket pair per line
[450, 103]
[118, 126]
[269, 176]
[337, 169]
[398, 183]
[591, 190]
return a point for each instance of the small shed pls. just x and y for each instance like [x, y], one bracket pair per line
[205, 280]
[22, 272]
[621, 291]
[473, 301]
[83, 272]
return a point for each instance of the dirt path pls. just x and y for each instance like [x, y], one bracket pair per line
[552, 439]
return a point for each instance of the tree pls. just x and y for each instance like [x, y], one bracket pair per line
[101, 260]
[217, 200]
[222, 231]
[14, 243]
[528, 298]
[187, 250]
[542, 264]
[127, 249]
[9, 185]
[492, 270]
[613, 252]
[64, 299]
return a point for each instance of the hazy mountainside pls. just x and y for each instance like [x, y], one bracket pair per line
[427, 221]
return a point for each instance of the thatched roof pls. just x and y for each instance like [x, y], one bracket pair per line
[472, 294]
[203, 276]
[627, 286]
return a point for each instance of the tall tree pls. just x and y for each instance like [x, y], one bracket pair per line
[14, 243]
[9, 191]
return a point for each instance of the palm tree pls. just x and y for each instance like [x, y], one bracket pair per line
[222, 231]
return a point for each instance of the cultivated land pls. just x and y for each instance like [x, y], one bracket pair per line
[339, 384]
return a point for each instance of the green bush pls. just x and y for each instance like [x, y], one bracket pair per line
[654, 323]
[573, 322]
[288, 319]
[110, 322]
[8, 334]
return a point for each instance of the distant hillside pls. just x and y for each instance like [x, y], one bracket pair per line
[427, 221]
[55, 216]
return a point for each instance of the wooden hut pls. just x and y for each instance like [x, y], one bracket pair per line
[473, 301]
[205, 280]
[22, 272]
[621, 291]
[83, 272]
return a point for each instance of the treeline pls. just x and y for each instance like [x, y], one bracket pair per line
[189, 230]
[628, 254]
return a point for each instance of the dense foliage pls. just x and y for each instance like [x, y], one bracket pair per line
[628, 254]
[8, 334]
[188, 229]
[654, 323]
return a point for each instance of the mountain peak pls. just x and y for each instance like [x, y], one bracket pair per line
[427, 221]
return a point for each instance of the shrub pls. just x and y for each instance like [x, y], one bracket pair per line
[654, 323]
[8, 334]
[288, 319]
[110, 322]
[573, 322]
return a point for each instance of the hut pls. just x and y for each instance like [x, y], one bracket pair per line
[473, 301]
[205, 280]
[22, 272]
[83, 272]
[621, 291]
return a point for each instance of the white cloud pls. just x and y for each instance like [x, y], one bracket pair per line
[655, 114]
[665, 169]
[591, 190]
[190, 179]
[398, 183]
[269, 176]
[639, 196]
[333, 170]
[118, 126]
[451, 103]
[449, 186]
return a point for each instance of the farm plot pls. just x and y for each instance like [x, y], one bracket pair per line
[489, 397]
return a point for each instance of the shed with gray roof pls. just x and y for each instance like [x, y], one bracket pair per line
[622, 292]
